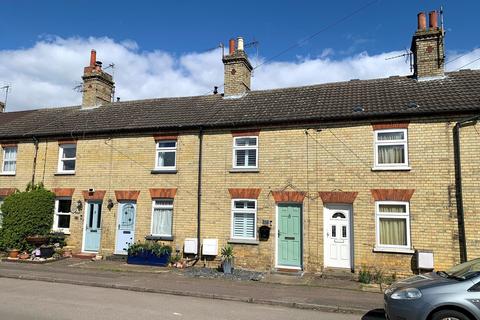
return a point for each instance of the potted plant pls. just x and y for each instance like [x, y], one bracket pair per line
[148, 253]
[227, 259]
[46, 251]
[36, 240]
[13, 253]
[24, 256]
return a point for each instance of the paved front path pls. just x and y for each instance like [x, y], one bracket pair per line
[55, 301]
[164, 281]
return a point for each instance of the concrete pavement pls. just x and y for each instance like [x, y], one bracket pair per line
[55, 301]
[161, 280]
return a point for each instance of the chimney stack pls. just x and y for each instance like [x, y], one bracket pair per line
[237, 69]
[428, 48]
[98, 85]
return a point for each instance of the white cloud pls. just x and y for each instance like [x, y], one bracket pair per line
[45, 75]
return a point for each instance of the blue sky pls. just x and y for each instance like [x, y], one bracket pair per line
[186, 26]
[169, 37]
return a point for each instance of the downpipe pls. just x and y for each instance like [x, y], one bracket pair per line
[458, 184]
[199, 195]
[35, 143]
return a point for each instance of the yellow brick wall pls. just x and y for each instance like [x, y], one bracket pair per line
[429, 55]
[470, 155]
[335, 158]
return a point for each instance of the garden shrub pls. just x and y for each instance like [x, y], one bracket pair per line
[365, 276]
[368, 275]
[25, 214]
[153, 247]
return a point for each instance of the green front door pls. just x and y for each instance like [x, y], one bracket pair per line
[289, 235]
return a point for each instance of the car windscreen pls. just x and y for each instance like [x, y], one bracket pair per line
[465, 270]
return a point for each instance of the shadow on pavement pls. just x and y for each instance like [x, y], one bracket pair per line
[374, 315]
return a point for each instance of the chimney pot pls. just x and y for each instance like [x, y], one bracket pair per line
[232, 46]
[240, 45]
[433, 20]
[93, 57]
[422, 21]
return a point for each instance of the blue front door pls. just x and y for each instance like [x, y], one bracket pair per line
[289, 235]
[93, 226]
[126, 227]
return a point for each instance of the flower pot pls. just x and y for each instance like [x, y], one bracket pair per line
[67, 253]
[13, 253]
[47, 251]
[37, 241]
[24, 256]
[227, 266]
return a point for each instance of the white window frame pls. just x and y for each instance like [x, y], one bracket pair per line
[9, 173]
[377, 143]
[57, 213]
[236, 148]
[399, 215]
[61, 159]
[154, 206]
[254, 211]
[159, 149]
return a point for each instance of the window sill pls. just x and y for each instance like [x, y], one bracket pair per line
[393, 250]
[64, 173]
[391, 168]
[163, 171]
[156, 238]
[65, 232]
[7, 174]
[238, 170]
[243, 241]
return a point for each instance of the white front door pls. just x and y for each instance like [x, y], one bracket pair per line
[125, 226]
[337, 235]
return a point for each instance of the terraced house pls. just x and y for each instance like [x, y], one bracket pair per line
[338, 175]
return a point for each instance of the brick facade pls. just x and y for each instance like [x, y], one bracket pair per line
[302, 162]
[338, 197]
[237, 73]
[429, 53]
[63, 192]
[98, 85]
[392, 194]
[244, 193]
[129, 195]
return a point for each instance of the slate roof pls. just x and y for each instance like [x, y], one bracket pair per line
[458, 92]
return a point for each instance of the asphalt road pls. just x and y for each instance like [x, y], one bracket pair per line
[35, 300]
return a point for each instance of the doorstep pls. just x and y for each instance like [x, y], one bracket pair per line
[338, 273]
[288, 272]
